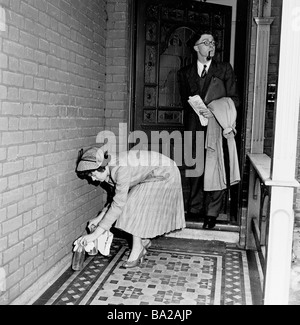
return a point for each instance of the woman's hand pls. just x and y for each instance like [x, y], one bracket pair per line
[84, 240]
[93, 223]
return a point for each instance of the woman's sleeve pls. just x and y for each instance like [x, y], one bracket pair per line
[110, 191]
[122, 179]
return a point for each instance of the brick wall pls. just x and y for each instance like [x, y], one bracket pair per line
[52, 103]
[118, 64]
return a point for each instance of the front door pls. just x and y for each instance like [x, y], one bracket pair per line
[163, 29]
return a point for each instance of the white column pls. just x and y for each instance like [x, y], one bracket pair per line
[277, 278]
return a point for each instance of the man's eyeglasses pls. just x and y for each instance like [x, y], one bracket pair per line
[207, 43]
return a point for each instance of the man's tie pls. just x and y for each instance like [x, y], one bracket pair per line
[204, 72]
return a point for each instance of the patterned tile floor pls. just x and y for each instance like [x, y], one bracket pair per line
[167, 276]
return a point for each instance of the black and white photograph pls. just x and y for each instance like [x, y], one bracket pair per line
[150, 155]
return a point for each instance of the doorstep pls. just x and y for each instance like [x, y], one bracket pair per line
[231, 237]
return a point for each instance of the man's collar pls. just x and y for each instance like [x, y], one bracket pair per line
[200, 65]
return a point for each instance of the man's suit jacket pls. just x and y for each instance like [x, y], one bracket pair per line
[189, 85]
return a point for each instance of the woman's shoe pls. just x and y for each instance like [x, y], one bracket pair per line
[129, 264]
[146, 243]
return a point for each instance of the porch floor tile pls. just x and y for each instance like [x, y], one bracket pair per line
[174, 272]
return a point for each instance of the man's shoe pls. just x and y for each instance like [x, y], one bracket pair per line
[212, 222]
[205, 222]
[209, 222]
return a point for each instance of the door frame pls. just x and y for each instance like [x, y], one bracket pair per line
[241, 68]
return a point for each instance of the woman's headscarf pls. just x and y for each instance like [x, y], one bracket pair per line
[92, 159]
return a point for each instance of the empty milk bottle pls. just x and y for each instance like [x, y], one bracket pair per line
[78, 257]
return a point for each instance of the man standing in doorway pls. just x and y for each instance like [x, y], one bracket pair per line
[195, 79]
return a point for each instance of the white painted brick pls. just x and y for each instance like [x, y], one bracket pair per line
[55, 73]
[27, 150]
[3, 243]
[12, 196]
[28, 177]
[10, 138]
[28, 255]
[27, 204]
[26, 218]
[12, 224]
[12, 211]
[15, 277]
[13, 238]
[28, 163]
[2, 154]
[12, 167]
[13, 123]
[13, 181]
[13, 265]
